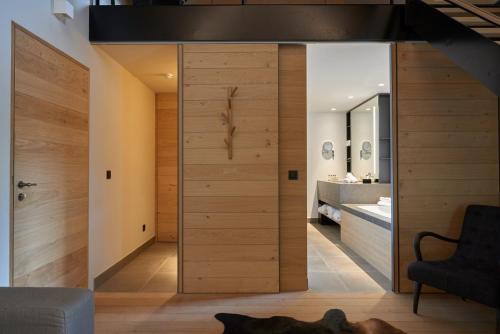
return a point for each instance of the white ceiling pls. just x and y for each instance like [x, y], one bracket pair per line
[336, 71]
[151, 64]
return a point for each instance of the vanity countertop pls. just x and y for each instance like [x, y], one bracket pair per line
[372, 217]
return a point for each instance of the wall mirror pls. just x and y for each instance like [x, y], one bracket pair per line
[327, 151]
[366, 150]
[369, 139]
[364, 138]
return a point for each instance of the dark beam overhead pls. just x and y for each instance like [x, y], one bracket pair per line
[249, 23]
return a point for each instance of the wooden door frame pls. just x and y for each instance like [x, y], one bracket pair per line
[15, 26]
[394, 167]
[180, 170]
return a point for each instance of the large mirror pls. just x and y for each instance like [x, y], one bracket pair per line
[365, 139]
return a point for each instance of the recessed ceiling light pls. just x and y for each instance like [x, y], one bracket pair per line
[333, 109]
[170, 75]
[381, 84]
[350, 97]
[368, 109]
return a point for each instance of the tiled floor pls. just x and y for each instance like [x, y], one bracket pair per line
[153, 270]
[334, 268]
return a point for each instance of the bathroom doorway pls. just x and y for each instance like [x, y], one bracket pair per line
[349, 167]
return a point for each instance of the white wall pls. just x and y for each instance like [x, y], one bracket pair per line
[321, 127]
[121, 136]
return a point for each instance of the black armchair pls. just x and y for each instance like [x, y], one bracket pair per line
[473, 271]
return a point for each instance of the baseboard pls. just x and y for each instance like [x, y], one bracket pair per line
[122, 263]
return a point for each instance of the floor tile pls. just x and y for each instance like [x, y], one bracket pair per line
[154, 269]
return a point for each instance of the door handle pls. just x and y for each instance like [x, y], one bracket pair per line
[22, 184]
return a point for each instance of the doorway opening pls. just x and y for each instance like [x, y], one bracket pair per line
[349, 167]
[150, 263]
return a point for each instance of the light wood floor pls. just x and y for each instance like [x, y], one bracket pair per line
[170, 313]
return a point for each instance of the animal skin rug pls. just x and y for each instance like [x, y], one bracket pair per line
[333, 322]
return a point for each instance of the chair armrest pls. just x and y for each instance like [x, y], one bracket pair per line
[421, 235]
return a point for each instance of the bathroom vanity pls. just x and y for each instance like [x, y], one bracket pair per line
[365, 225]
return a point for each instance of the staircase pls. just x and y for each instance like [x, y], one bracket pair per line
[467, 31]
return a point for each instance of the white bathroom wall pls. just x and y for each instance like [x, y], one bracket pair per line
[321, 127]
[122, 127]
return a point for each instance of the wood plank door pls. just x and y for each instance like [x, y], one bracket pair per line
[230, 203]
[50, 112]
[447, 147]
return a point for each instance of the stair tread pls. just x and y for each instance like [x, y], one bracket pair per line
[459, 12]
[473, 22]
[490, 32]
[474, 2]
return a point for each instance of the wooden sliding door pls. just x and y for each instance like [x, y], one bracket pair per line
[50, 190]
[230, 203]
[447, 149]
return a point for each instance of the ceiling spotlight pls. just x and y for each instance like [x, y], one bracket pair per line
[368, 109]
[350, 97]
[333, 109]
[381, 84]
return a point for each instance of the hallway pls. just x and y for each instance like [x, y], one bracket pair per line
[153, 270]
[333, 268]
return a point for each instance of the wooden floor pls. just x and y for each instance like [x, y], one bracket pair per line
[170, 313]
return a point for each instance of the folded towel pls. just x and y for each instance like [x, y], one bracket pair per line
[384, 201]
[330, 212]
[350, 178]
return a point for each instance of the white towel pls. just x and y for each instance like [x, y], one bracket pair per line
[350, 178]
[336, 217]
[384, 201]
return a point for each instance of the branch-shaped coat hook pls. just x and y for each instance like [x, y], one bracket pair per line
[228, 118]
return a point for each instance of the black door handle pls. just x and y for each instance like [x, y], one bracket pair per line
[22, 184]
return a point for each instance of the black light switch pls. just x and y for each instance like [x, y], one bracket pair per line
[108, 175]
[293, 175]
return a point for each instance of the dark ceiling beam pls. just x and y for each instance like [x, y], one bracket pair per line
[249, 23]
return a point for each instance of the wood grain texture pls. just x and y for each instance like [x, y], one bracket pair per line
[293, 156]
[370, 241]
[187, 314]
[447, 149]
[230, 206]
[166, 167]
[50, 227]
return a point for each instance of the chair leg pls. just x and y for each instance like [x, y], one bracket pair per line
[416, 296]
[498, 321]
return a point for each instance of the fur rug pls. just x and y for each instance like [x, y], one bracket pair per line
[333, 322]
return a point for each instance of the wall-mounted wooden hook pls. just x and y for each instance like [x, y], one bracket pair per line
[228, 119]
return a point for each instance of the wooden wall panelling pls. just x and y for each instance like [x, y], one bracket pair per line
[293, 156]
[166, 169]
[230, 207]
[50, 111]
[447, 149]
